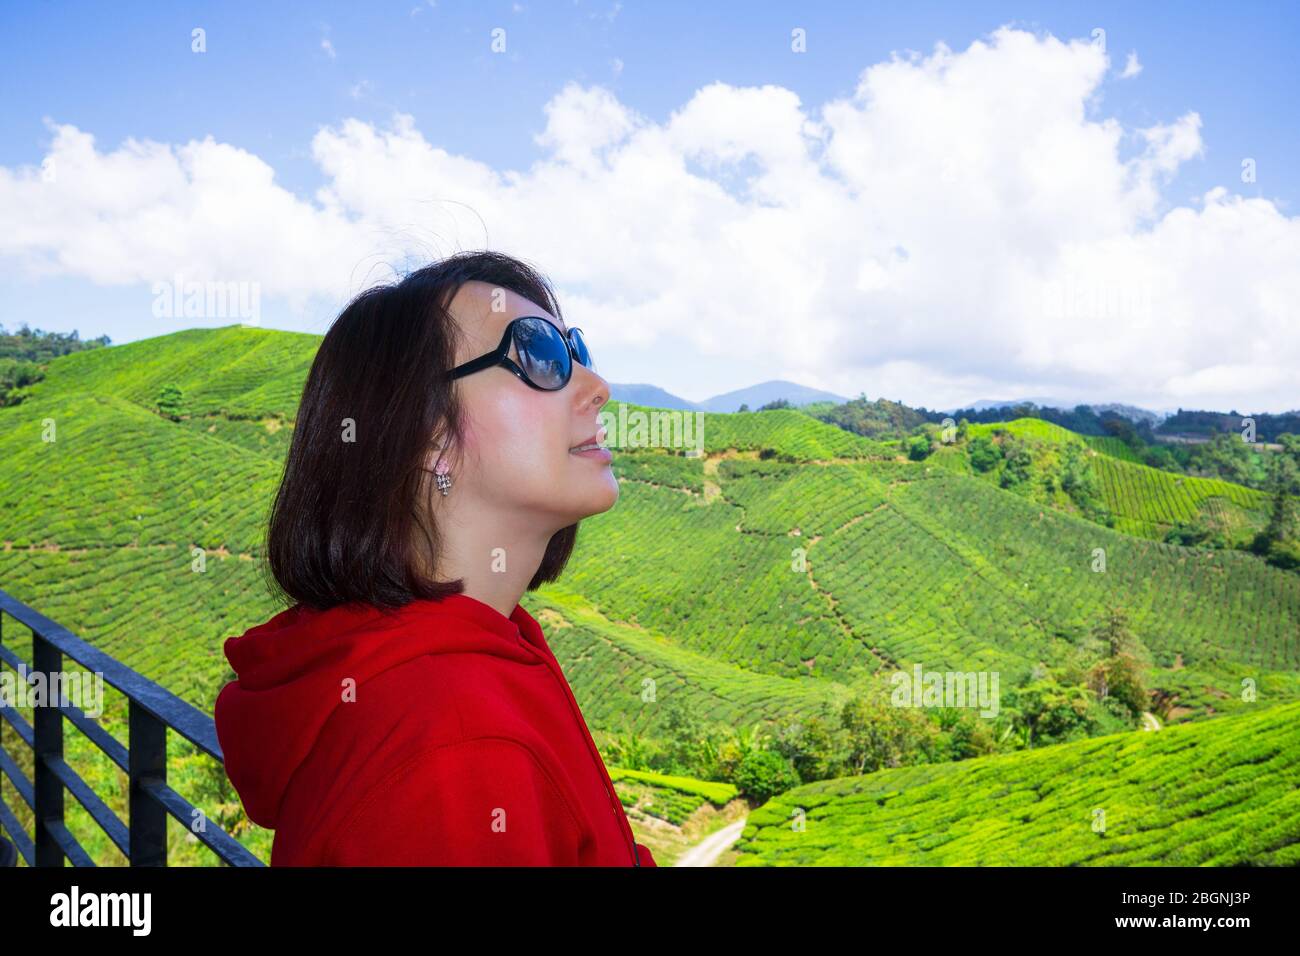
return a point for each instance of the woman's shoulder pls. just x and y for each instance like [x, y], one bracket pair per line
[439, 698]
[419, 714]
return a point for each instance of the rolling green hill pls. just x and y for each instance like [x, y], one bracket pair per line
[240, 372]
[906, 562]
[1149, 502]
[1140, 500]
[1223, 792]
[911, 564]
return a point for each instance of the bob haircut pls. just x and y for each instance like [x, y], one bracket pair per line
[348, 519]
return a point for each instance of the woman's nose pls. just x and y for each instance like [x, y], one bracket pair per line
[593, 386]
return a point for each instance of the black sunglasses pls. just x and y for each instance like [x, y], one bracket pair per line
[547, 354]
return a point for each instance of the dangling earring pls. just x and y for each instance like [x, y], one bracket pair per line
[444, 479]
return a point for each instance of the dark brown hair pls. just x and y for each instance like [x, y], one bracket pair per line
[348, 517]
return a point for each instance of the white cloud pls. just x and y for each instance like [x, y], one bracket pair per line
[328, 47]
[956, 228]
[1131, 66]
[148, 210]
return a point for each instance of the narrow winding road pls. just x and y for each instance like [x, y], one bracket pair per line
[707, 851]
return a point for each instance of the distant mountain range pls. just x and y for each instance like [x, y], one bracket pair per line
[756, 396]
[651, 396]
[753, 397]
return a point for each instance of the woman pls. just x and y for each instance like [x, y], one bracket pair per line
[407, 709]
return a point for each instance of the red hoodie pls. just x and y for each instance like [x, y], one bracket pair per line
[446, 735]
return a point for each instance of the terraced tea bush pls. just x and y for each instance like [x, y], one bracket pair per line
[1220, 792]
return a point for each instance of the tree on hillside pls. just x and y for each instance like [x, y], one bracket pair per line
[1124, 661]
[1048, 711]
[919, 447]
[1122, 428]
[1279, 518]
[15, 376]
[1278, 542]
[813, 746]
[763, 774]
[984, 455]
[1229, 457]
[970, 736]
[1079, 481]
[1019, 462]
[169, 402]
[741, 742]
[691, 750]
[881, 419]
[881, 735]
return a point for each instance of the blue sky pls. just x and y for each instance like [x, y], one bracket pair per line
[274, 75]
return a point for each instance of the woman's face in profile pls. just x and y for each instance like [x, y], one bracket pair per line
[518, 440]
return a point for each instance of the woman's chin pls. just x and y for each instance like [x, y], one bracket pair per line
[603, 494]
[593, 482]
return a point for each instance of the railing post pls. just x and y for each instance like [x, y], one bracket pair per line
[47, 741]
[147, 758]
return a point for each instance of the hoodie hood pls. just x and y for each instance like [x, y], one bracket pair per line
[290, 672]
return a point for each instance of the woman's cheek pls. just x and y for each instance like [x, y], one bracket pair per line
[529, 432]
[533, 427]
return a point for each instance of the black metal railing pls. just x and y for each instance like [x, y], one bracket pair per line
[152, 710]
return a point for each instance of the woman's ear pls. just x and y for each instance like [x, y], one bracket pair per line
[442, 459]
[436, 458]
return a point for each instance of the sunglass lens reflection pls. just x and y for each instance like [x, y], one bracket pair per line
[580, 346]
[542, 353]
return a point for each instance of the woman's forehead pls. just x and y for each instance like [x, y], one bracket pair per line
[481, 306]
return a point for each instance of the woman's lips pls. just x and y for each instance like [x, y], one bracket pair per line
[592, 442]
[599, 452]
